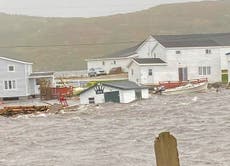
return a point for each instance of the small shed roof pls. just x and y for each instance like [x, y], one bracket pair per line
[148, 60]
[41, 74]
[123, 85]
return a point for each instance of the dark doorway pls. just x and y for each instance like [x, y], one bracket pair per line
[112, 97]
[138, 94]
[183, 74]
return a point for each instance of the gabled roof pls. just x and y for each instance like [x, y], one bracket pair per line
[126, 52]
[194, 40]
[123, 85]
[41, 74]
[148, 60]
[13, 60]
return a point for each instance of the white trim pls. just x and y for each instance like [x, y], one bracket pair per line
[9, 68]
[187, 48]
[179, 48]
[13, 60]
[118, 58]
[12, 89]
[154, 64]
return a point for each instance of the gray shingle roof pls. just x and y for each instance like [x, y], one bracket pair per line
[148, 60]
[126, 52]
[194, 40]
[41, 74]
[125, 85]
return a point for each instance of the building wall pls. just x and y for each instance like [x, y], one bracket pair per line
[135, 75]
[152, 49]
[160, 73]
[145, 93]
[126, 96]
[224, 61]
[20, 75]
[193, 58]
[108, 64]
[99, 98]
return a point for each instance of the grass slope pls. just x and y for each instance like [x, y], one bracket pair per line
[195, 17]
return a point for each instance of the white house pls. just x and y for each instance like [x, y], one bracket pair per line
[17, 81]
[182, 57]
[117, 59]
[174, 58]
[116, 91]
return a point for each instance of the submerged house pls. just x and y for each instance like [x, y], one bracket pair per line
[17, 81]
[172, 58]
[115, 91]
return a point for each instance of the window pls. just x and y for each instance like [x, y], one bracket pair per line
[91, 100]
[132, 72]
[9, 85]
[11, 68]
[103, 63]
[208, 70]
[178, 52]
[208, 51]
[114, 62]
[150, 72]
[204, 70]
[200, 70]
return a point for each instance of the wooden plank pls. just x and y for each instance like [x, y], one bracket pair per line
[166, 150]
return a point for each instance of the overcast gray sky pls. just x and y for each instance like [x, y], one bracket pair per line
[77, 8]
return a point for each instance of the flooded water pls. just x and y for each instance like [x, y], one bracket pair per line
[120, 134]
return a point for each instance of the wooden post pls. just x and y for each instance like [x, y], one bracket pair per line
[166, 150]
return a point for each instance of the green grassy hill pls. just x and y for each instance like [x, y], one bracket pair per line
[197, 17]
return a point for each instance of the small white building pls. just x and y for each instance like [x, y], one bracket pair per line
[17, 81]
[118, 59]
[116, 91]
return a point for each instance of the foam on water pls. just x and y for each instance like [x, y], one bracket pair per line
[122, 134]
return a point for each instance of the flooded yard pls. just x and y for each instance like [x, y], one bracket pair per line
[122, 134]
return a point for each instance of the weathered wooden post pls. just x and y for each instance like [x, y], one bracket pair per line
[166, 150]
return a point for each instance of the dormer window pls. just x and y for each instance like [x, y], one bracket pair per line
[11, 68]
[178, 52]
[208, 51]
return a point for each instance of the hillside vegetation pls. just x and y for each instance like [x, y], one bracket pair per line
[77, 38]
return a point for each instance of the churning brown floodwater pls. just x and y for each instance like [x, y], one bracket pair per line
[122, 135]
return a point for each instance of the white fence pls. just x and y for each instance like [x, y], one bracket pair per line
[70, 74]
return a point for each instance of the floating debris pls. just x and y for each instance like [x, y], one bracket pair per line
[22, 110]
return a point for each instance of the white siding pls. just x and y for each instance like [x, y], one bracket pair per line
[134, 73]
[127, 96]
[108, 64]
[193, 58]
[99, 98]
[20, 75]
[224, 61]
[145, 93]
[152, 49]
[160, 73]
